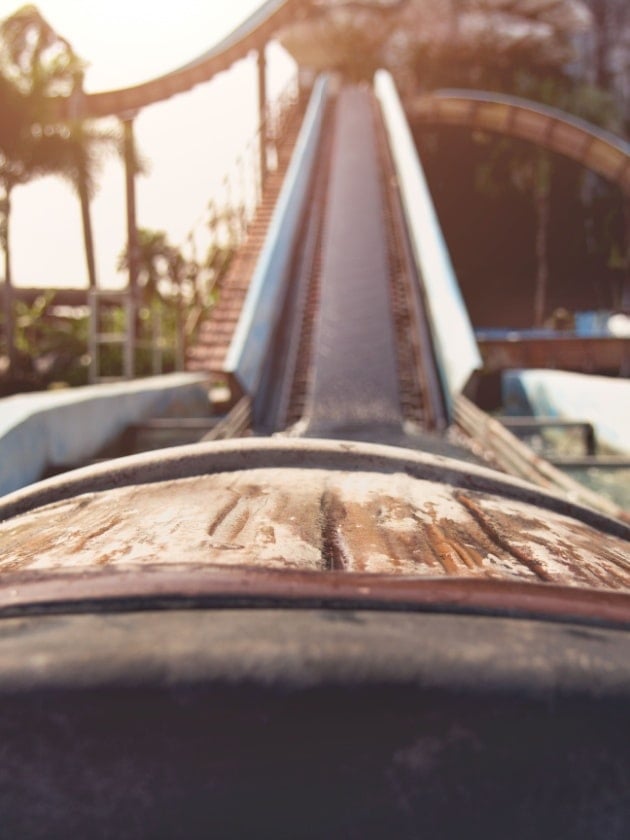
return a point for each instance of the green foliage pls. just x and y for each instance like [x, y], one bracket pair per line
[50, 347]
[174, 292]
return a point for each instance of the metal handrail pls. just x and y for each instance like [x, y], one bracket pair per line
[228, 218]
[238, 210]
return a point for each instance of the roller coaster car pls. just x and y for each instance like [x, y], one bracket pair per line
[311, 639]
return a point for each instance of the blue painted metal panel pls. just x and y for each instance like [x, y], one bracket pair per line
[58, 428]
[453, 336]
[602, 400]
[256, 327]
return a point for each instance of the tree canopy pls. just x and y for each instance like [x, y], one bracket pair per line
[36, 64]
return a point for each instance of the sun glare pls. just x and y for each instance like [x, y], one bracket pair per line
[126, 42]
[189, 141]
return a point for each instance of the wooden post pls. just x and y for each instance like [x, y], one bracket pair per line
[129, 355]
[93, 331]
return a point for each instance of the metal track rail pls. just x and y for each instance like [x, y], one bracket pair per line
[456, 349]
[421, 393]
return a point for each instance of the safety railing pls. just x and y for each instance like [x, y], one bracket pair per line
[252, 339]
[217, 232]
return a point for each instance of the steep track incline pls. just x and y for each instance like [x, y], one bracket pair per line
[365, 363]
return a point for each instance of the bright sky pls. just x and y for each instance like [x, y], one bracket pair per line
[189, 141]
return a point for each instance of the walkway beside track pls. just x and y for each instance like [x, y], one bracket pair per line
[217, 330]
[355, 377]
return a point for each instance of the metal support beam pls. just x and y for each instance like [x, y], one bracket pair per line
[132, 246]
[130, 190]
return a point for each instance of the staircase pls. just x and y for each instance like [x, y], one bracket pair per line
[215, 333]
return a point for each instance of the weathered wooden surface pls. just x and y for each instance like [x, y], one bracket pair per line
[315, 520]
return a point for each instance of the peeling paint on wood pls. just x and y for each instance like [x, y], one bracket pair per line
[315, 520]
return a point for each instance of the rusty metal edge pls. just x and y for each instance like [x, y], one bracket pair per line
[156, 588]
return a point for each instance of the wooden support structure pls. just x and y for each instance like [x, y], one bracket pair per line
[98, 336]
[518, 459]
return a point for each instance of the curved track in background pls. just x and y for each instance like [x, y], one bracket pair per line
[577, 139]
[258, 28]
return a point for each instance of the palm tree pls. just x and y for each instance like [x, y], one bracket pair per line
[152, 255]
[80, 164]
[34, 63]
[166, 279]
[37, 65]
